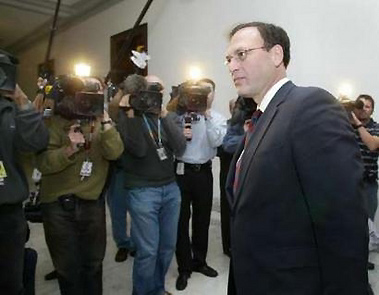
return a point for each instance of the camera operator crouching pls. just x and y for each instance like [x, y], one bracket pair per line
[21, 130]
[74, 170]
[204, 130]
[152, 137]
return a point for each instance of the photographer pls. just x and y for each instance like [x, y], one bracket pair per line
[367, 132]
[204, 129]
[152, 138]
[74, 170]
[21, 130]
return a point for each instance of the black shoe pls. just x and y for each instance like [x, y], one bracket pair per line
[370, 265]
[51, 276]
[227, 253]
[206, 270]
[121, 255]
[181, 281]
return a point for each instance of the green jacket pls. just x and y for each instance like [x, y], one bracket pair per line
[61, 174]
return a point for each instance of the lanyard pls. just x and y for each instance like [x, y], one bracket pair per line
[88, 138]
[159, 144]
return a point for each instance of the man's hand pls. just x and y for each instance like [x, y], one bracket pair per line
[164, 112]
[18, 96]
[246, 125]
[41, 83]
[76, 140]
[187, 132]
[106, 121]
[124, 103]
[356, 121]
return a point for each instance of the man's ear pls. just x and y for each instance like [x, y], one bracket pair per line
[277, 55]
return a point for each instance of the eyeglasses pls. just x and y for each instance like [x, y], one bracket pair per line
[240, 55]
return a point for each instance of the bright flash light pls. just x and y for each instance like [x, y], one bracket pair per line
[345, 91]
[82, 70]
[195, 73]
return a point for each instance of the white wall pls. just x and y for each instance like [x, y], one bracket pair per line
[332, 41]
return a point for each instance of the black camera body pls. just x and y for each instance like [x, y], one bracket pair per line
[352, 106]
[243, 110]
[76, 98]
[149, 100]
[8, 71]
[193, 97]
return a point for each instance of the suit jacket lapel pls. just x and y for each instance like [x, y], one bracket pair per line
[231, 174]
[261, 128]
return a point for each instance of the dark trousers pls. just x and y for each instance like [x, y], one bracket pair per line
[12, 243]
[30, 264]
[76, 238]
[196, 187]
[225, 160]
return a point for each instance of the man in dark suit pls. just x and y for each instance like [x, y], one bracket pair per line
[298, 224]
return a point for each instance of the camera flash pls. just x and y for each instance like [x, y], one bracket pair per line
[82, 70]
[195, 73]
[345, 90]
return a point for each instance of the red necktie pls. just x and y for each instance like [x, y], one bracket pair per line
[251, 128]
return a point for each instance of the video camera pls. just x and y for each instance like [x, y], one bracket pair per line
[149, 100]
[243, 110]
[7, 71]
[192, 97]
[75, 97]
[144, 97]
[352, 106]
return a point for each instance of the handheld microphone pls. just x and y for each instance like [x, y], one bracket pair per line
[188, 124]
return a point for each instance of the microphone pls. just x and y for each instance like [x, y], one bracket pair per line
[188, 124]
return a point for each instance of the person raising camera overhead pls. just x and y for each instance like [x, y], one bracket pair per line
[204, 130]
[152, 138]
[21, 130]
[74, 170]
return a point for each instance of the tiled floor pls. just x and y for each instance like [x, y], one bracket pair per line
[117, 276]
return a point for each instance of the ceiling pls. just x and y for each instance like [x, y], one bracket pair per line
[25, 22]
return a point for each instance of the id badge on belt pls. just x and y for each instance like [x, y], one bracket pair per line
[3, 173]
[180, 168]
[86, 170]
[162, 153]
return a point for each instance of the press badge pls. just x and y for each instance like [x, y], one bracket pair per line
[3, 173]
[161, 153]
[180, 168]
[86, 170]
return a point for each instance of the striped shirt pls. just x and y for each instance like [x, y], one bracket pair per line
[370, 158]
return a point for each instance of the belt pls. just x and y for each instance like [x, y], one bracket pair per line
[69, 201]
[198, 167]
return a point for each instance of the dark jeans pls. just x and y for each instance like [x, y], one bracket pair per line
[118, 208]
[155, 214]
[76, 238]
[196, 187]
[371, 194]
[12, 242]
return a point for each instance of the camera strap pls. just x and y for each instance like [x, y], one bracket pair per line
[159, 146]
[87, 165]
